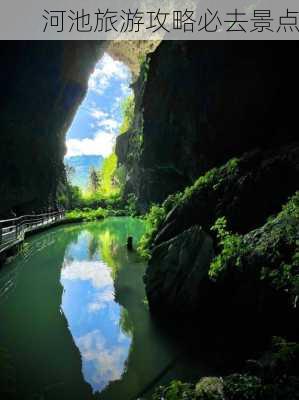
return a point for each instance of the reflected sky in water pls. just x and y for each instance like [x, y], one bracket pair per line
[74, 320]
[92, 313]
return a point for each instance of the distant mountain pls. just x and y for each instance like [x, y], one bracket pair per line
[82, 164]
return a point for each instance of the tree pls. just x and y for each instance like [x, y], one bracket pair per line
[70, 172]
[93, 180]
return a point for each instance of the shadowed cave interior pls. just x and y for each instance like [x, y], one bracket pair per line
[214, 146]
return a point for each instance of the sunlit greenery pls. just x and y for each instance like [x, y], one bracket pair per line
[230, 244]
[70, 197]
[127, 109]
[273, 248]
[157, 214]
[153, 220]
[176, 390]
[107, 185]
[86, 214]
[113, 239]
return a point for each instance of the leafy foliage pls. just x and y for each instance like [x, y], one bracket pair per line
[131, 206]
[209, 181]
[153, 220]
[231, 245]
[176, 390]
[127, 109]
[108, 186]
[144, 67]
[70, 197]
[209, 388]
[273, 248]
[86, 214]
[276, 378]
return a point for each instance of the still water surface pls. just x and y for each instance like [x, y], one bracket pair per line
[74, 322]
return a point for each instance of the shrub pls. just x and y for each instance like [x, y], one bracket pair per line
[231, 246]
[273, 249]
[86, 214]
[209, 388]
[176, 390]
[153, 220]
[127, 110]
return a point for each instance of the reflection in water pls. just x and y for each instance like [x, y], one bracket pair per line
[93, 316]
[74, 320]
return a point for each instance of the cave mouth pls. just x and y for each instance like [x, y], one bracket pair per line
[100, 118]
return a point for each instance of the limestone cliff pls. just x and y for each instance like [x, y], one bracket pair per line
[42, 84]
[203, 103]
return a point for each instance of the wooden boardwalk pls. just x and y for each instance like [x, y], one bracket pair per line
[13, 231]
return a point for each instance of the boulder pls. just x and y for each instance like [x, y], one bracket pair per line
[177, 271]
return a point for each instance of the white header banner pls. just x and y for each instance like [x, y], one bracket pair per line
[149, 20]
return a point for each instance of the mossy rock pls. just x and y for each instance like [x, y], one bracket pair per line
[243, 190]
[209, 388]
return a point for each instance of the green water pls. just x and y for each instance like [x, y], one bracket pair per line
[74, 323]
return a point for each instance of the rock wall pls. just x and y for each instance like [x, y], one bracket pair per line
[205, 102]
[251, 287]
[42, 84]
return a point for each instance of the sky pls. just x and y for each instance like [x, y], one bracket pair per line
[98, 119]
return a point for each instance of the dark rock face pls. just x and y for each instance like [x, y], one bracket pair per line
[42, 84]
[238, 309]
[247, 194]
[206, 102]
[177, 271]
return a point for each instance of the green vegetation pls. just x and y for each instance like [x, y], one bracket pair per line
[176, 390]
[144, 67]
[207, 182]
[107, 187]
[273, 249]
[127, 108]
[70, 197]
[154, 219]
[86, 214]
[276, 378]
[231, 244]
[209, 388]
[211, 180]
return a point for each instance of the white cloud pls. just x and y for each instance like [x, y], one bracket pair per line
[101, 300]
[110, 124]
[94, 271]
[97, 114]
[108, 361]
[105, 71]
[102, 144]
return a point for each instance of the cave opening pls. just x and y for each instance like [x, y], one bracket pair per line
[212, 158]
[105, 112]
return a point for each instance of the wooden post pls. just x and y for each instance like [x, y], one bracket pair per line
[130, 243]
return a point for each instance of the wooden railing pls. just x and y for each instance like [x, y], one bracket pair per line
[12, 231]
